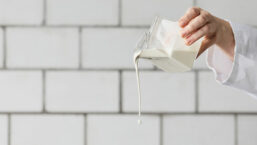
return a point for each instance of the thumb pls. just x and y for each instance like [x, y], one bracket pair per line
[206, 43]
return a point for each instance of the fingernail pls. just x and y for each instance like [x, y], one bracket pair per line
[188, 42]
[183, 34]
[180, 22]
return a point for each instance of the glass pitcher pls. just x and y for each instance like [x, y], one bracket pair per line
[165, 48]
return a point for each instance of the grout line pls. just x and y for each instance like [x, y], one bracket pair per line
[44, 90]
[127, 113]
[120, 92]
[196, 92]
[76, 26]
[194, 2]
[236, 129]
[120, 13]
[92, 69]
[85, 130]
[161, 129]
[9, 130]
[80, 48]
[4, 48]
[44, 12]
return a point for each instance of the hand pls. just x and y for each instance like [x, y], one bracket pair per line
[197, 23]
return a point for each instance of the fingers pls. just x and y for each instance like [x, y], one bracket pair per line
[206, 43]
[190, 14]
[198, 34]
[195, 24]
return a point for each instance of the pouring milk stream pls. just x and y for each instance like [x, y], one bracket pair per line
[164, 47]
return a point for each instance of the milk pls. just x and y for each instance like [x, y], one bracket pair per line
[138, 89]
[164, 48]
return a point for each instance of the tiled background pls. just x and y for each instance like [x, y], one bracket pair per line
[67, 78]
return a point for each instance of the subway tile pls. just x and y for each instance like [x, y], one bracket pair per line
[198, 130]
[21, 12]
[161, 92]
[42, 48]
[47, 129]
[247, 129]
[232, 10]
[82, 12]
[142, 12]
[214, 97]
[84, 91]
[3, 130]
[21, 91]
[122, 129]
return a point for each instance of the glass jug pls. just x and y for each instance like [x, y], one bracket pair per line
[165, 48]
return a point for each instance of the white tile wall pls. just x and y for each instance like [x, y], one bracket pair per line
[234, 10]
[161, 92]
[198, 130]
[47, 129]
[142, 12]
[111, 47]
[21, 12]
[3, 130]
[247, 130]
[82, 12]
[82, 91]
[67, 78]
[20, 91]
[216, 98]
[42, 48]
[122, 129]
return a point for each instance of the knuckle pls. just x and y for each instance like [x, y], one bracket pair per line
[202, 30]
[201, 19]
[193, 37]
[194, 10]
[207, 27]
[197, 8]
[190, 28]
[204, 17]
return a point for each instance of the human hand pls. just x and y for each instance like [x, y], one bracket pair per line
[197, 23]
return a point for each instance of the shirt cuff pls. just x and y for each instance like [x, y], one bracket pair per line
[224, 69]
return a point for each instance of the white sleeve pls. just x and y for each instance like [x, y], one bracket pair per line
[242, 72]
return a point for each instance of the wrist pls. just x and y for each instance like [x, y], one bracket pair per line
[225, 38]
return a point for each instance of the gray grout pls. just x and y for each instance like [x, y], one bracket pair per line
[128, 113]
[44, 91]
[85, 130]
[236, 129]
[44, 12]
[92, 69]
[80, 48]
[120, 92]
[196, 91]
[76, 26]
[161, 130]
[120, 13]
[194, 2]
[4, 47]
[9, 130]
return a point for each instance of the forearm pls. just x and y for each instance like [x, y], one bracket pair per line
[241, 72]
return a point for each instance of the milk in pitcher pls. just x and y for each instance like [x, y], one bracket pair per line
[164, 48]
